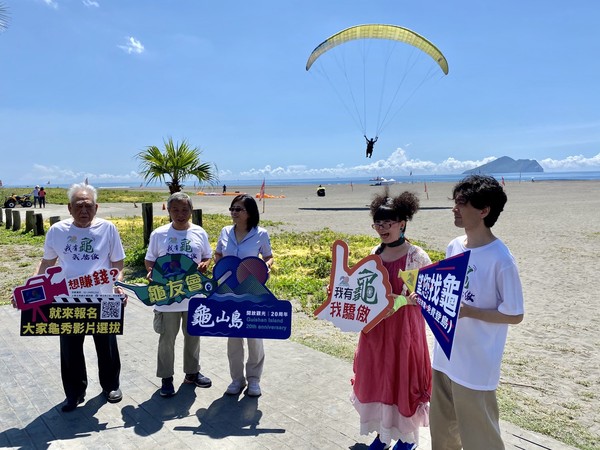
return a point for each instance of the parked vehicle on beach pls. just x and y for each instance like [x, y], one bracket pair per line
[14, 200]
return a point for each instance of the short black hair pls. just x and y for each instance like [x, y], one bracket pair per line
[482, 191]
[251, 209]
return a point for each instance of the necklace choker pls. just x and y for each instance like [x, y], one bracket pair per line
[397, 243]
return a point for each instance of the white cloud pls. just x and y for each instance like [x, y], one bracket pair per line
[132, 46]
[51, 3]
[58, 175]
[577, 162]
[90, 3]
[399, 163]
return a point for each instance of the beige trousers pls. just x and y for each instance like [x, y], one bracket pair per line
[167, 325]
[460, 417]
[256, 358]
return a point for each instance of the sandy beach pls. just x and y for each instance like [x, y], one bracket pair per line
[552, 359]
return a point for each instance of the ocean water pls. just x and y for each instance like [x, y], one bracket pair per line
[420, 178]
[449, 178]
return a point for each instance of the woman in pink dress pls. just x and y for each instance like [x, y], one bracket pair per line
[392, 370]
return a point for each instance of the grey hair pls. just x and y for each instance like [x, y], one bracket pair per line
[179, 197]
[82, 187]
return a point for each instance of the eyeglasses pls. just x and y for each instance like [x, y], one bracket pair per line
[385, 225]
[236, 209]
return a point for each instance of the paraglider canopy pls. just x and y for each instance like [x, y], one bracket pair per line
[374, 69]
[379, 31]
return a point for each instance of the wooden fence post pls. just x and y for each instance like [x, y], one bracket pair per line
[16, 219]
[1, 216]
[8, 219]
[197, 216]
[147, 218]
[39, 225]
[54, 219]
[29, 221]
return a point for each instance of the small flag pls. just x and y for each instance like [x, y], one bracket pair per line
[86, 181]
[503, 182]
[425, 183]
[262, 191]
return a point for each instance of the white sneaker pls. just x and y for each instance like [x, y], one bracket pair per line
[253, 389]
[236, 387]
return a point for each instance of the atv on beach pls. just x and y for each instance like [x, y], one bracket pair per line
[14, 200]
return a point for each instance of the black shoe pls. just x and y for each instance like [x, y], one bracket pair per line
[72, 403]
[114, 396]
[167, 389]
[198, 379]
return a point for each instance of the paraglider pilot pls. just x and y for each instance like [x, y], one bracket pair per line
[370, 145]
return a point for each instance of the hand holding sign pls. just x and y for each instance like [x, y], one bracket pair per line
[241, 306]
[40, 290]
[359, 297]
[439, 287]
[175, 277]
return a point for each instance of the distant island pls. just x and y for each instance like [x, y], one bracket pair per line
[506, 164]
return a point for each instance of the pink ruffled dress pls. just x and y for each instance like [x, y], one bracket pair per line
[392, 369]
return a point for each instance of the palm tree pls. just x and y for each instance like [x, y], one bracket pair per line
[177, 163]
[3, 17]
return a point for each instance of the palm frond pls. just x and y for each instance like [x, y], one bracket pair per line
[4, 17]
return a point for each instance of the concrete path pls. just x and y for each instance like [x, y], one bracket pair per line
[304, 403]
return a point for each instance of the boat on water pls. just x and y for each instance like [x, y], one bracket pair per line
[381, 181]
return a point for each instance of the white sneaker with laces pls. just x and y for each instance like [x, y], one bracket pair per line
[236, 387]
[253, 389]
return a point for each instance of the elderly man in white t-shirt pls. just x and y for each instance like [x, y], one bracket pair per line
[82, 245]
[178, 237]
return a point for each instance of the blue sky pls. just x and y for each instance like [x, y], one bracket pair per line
[87, 84]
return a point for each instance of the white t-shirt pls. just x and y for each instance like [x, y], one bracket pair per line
[492, 282]
[166, 240]
[83, 251]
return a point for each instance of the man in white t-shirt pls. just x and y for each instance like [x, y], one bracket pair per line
[83, 245]
[178, 237]
[464, 411]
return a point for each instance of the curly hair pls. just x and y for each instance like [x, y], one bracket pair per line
[401, 207]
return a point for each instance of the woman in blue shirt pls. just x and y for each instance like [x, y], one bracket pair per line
[244, 239]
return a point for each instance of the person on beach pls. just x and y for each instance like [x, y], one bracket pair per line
[42, 197]
[36, 195]
[370, 145]
[464, 410]
[244, 239]
[180, 236]
[83, 245]
[392, 370]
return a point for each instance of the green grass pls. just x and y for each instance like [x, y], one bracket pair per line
[58, 196]
[556, 421]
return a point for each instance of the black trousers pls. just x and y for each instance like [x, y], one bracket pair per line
[72, 363]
